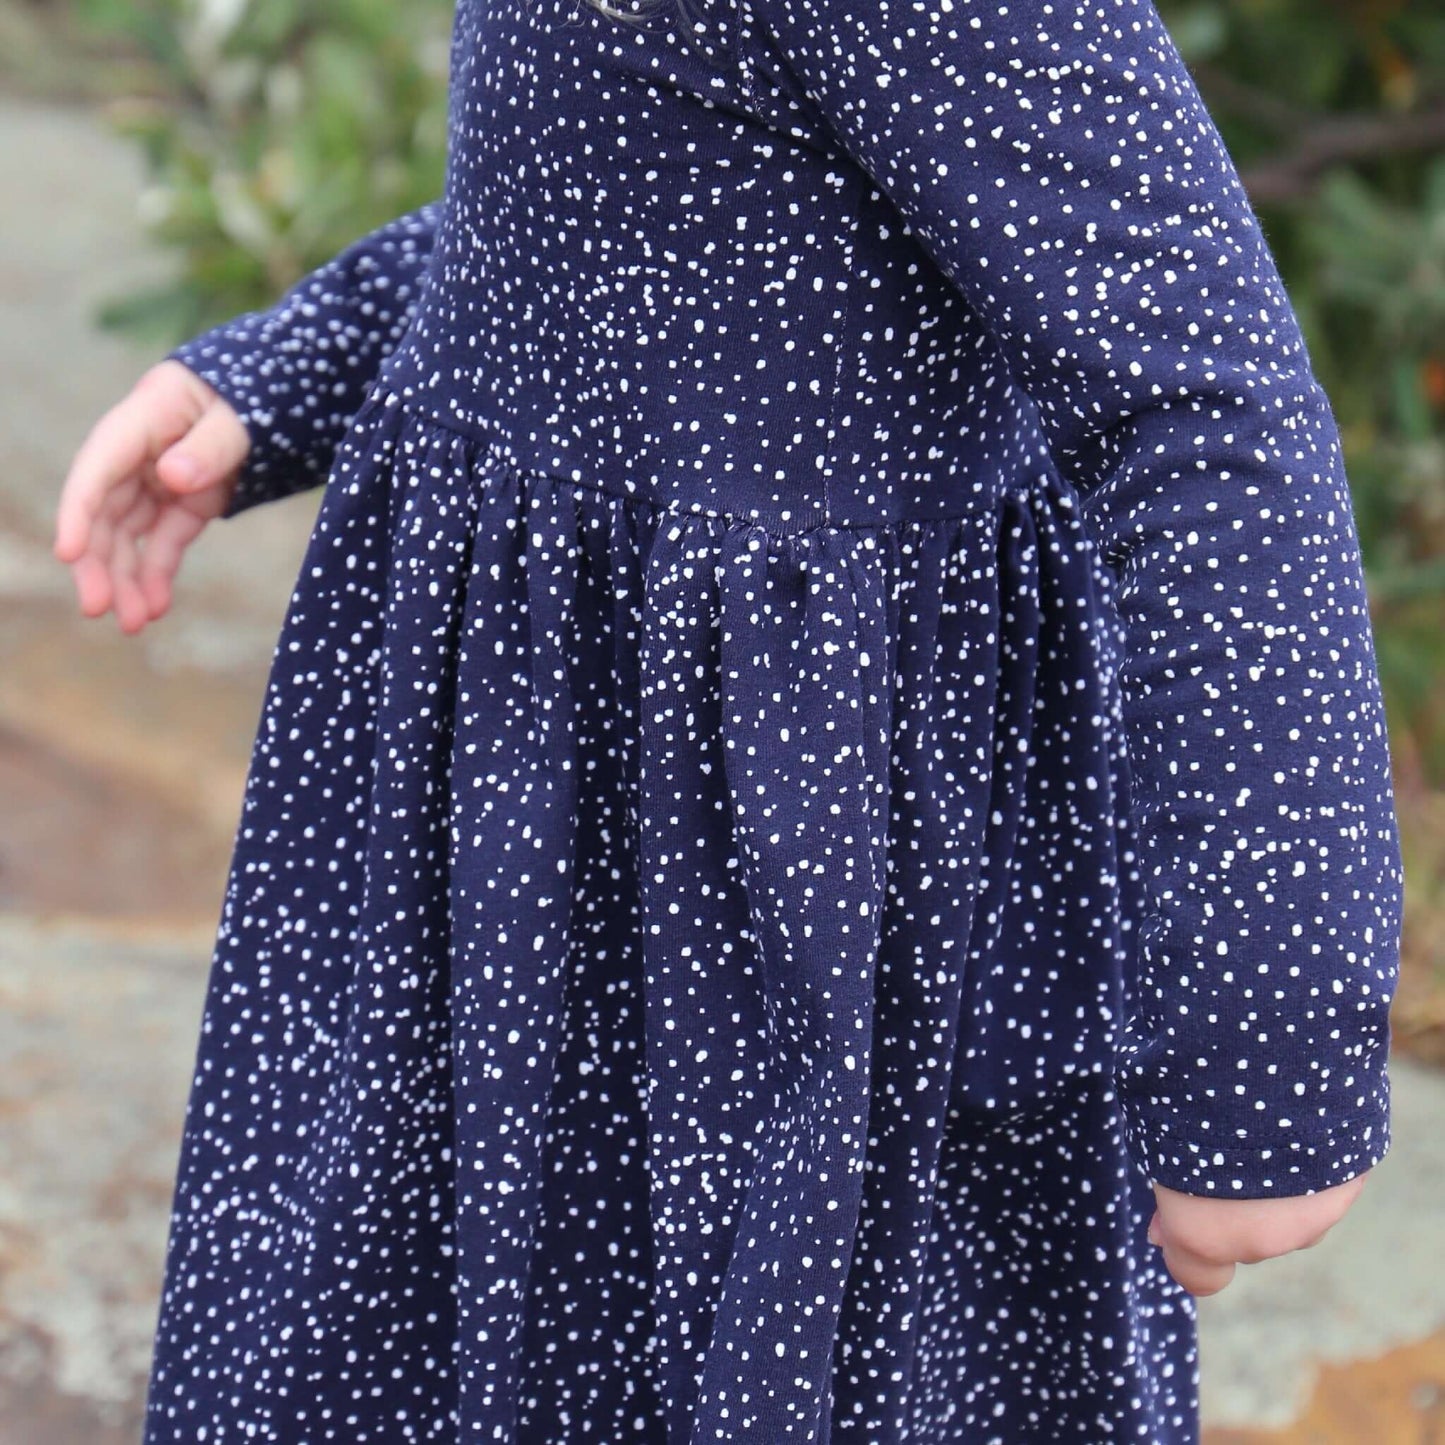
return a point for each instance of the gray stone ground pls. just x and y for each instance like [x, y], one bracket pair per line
[121, 765]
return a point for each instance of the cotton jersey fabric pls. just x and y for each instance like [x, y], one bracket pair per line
[827, 735]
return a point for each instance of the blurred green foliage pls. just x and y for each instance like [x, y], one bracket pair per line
[280, 130]
[275, 133]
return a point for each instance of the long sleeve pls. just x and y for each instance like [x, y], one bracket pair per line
[1057, 163]
[297, 372]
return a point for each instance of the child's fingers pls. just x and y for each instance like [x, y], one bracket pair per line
[115, 449]
[132, 611]
[1196, 1273]
[92, 584]
[174, 530]
[91, 569]
[1201, 1260]
[208, 453]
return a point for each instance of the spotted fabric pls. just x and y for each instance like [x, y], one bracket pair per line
[826, 736]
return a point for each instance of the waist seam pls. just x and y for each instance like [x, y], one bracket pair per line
[499, 449]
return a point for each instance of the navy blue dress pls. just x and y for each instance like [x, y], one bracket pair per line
[828, 733]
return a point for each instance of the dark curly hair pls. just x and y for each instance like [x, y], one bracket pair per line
[638, 14]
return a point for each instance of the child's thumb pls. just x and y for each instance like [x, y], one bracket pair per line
[213, 448]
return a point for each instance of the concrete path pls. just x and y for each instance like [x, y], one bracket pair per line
[121, 764]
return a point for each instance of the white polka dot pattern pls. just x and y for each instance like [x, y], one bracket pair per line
[827, 734]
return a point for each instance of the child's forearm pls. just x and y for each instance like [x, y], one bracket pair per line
[297, 372]
[1058, 164]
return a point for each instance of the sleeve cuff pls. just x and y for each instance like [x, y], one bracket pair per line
[273, 468]
[1295, 1163]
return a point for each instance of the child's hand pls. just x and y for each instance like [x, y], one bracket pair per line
[130, 506]
[1203, 1238]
